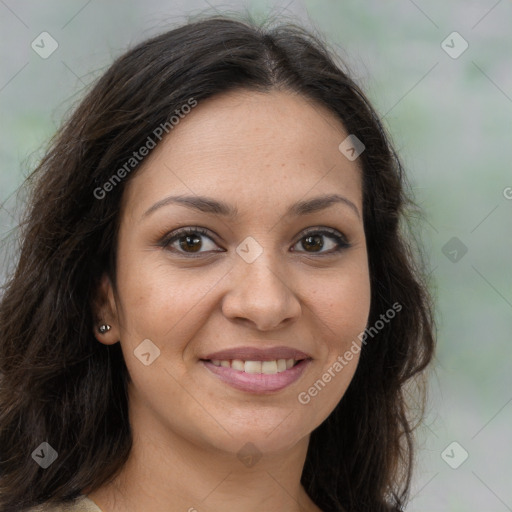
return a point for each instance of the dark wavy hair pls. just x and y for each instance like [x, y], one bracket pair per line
[59, 385]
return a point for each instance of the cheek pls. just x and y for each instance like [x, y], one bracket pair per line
[340, 306]
[342, 302]
[159, 302]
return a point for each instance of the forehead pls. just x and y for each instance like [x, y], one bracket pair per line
[251, 149]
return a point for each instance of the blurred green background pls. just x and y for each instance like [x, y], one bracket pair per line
[450, 117]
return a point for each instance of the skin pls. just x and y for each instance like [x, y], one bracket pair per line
[260, 152]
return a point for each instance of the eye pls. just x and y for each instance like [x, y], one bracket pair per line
[313, 240]
[188, 240]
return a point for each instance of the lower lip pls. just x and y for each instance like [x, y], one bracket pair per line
[258, 382]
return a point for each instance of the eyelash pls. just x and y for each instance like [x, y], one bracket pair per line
[340, 240]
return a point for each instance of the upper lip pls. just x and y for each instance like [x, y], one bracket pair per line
[258, 354]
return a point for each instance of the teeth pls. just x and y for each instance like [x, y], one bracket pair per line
[236, 364]
[266, 367]
[252, 367]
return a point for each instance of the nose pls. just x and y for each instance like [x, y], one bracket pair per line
[261, 294]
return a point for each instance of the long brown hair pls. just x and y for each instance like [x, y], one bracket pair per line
[59, 385]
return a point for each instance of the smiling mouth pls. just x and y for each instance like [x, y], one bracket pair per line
[257, 376]
[269, 367]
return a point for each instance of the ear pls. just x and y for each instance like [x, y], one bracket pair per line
[104, 311]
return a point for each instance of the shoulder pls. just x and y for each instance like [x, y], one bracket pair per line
[81, 504]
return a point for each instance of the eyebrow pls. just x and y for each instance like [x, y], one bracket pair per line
[209, 205]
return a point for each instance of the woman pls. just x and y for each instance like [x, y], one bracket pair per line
[214, 305]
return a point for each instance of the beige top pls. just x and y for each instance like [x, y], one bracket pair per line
[84, 504]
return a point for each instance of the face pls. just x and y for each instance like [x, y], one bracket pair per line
[226, 328]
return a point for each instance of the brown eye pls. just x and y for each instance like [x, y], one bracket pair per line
[191, 242]
[187, 241]
[313, 242]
